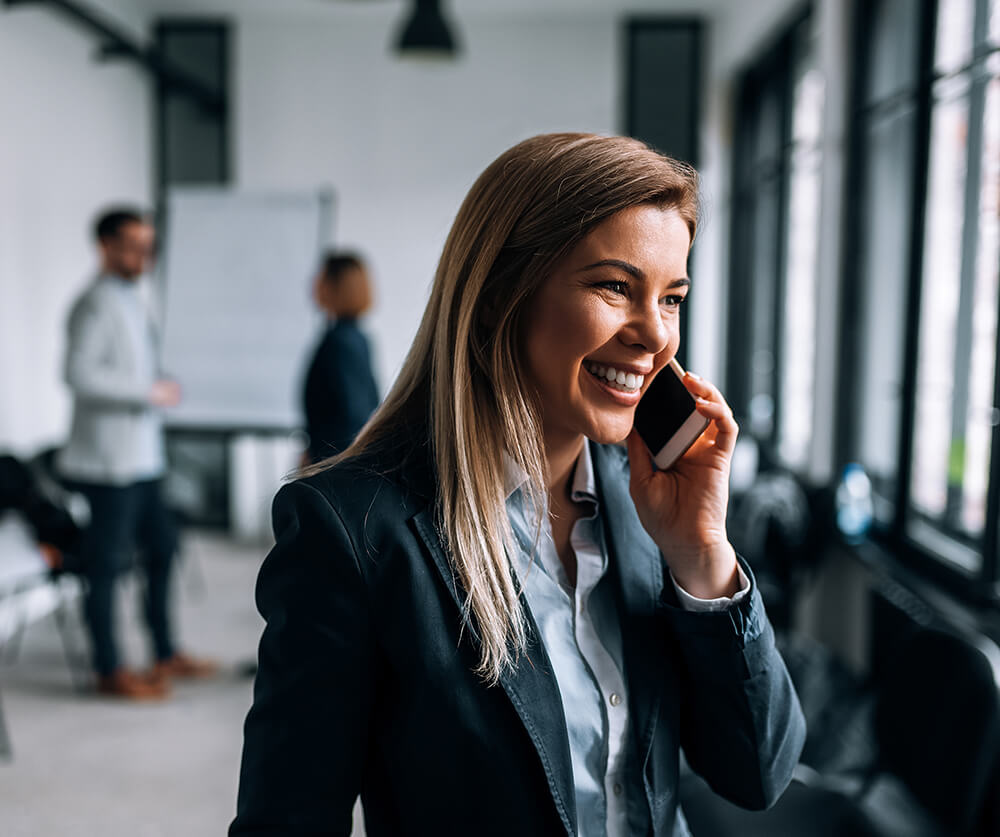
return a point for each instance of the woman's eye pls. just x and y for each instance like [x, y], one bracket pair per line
[614, 286]
[673, 301]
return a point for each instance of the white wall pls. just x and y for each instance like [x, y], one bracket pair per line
[321, 100]
[74, 135]
[325, 102]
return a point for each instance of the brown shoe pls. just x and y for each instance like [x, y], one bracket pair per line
[184, 666]
[122, 683]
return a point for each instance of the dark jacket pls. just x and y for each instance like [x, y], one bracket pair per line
[340, 391]
[365, 681]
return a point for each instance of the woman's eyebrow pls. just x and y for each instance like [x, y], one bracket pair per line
[628, 267]
[633, 271]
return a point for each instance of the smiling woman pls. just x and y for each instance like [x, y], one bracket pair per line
[483, 616]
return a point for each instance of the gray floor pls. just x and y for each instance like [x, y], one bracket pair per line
[85, 765]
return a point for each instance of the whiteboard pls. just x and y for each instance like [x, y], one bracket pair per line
[238, 316]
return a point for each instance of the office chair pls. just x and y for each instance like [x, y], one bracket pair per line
[937, 768]
[937, 721]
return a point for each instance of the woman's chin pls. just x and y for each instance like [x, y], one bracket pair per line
[610, 433]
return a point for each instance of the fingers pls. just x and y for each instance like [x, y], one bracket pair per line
[639, 460]
[710, 403]
[700, 388]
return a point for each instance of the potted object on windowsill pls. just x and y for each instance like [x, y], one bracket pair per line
[853, 505]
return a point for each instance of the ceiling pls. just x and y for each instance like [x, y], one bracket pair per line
[458, 9]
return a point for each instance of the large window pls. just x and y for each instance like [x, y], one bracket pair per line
[922, 295]
[775, 228]
[876, 302]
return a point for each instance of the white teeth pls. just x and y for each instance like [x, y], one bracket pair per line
[617, 379]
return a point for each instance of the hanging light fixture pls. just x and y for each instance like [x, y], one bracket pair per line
[426, 32]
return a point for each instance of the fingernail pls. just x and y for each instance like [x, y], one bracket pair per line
[693, 375]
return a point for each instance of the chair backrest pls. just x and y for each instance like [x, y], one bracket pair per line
[938, 724]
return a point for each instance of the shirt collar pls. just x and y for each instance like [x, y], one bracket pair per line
[514, 476]
[584, 483]
[116, 281]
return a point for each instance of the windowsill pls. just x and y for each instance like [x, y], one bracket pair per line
[953, 609]
[957, 555]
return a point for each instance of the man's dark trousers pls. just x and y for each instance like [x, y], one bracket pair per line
[124, 518]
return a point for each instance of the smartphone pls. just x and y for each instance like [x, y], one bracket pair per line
[666, 417]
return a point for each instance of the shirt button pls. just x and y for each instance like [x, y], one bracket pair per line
[615, 699]
[618, 789]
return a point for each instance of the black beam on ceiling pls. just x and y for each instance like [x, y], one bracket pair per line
[117, 44]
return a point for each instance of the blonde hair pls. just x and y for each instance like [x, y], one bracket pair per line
[527, 210]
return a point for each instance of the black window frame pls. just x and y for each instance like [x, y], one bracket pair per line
[982, 588]
[221, 30]
[637, 107]
[775, 67]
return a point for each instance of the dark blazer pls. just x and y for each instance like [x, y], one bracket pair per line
[365, 681]
[340, 392]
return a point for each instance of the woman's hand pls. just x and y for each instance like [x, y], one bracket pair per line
[684, 508]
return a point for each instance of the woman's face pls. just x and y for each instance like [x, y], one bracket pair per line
[349, 296]
[609, 309]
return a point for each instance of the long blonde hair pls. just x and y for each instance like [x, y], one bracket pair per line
[462, 375]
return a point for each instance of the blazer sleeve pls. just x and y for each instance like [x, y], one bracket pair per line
[305, 735]
[90, 370]
[741, 725]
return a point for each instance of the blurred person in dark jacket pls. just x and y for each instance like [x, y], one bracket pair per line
[340, 391]
[115, 453]
[53, 515]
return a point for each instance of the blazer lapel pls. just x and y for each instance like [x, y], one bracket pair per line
[638, 568]
[531, 686]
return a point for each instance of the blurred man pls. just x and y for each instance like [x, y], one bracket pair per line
[115, 454]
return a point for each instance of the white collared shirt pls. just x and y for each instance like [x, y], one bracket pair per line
[580, 630]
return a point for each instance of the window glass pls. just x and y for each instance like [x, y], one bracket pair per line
[774, 246]
[982, 413]
[802, 240]
[894, 27]
[767, 136]
[764, 208]
[762, 293]
[932, 446]
[953, 46]
[886, 199]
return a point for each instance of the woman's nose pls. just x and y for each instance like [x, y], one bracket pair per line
[648, 329]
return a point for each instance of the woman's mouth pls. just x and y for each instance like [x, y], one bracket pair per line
[615, 378]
